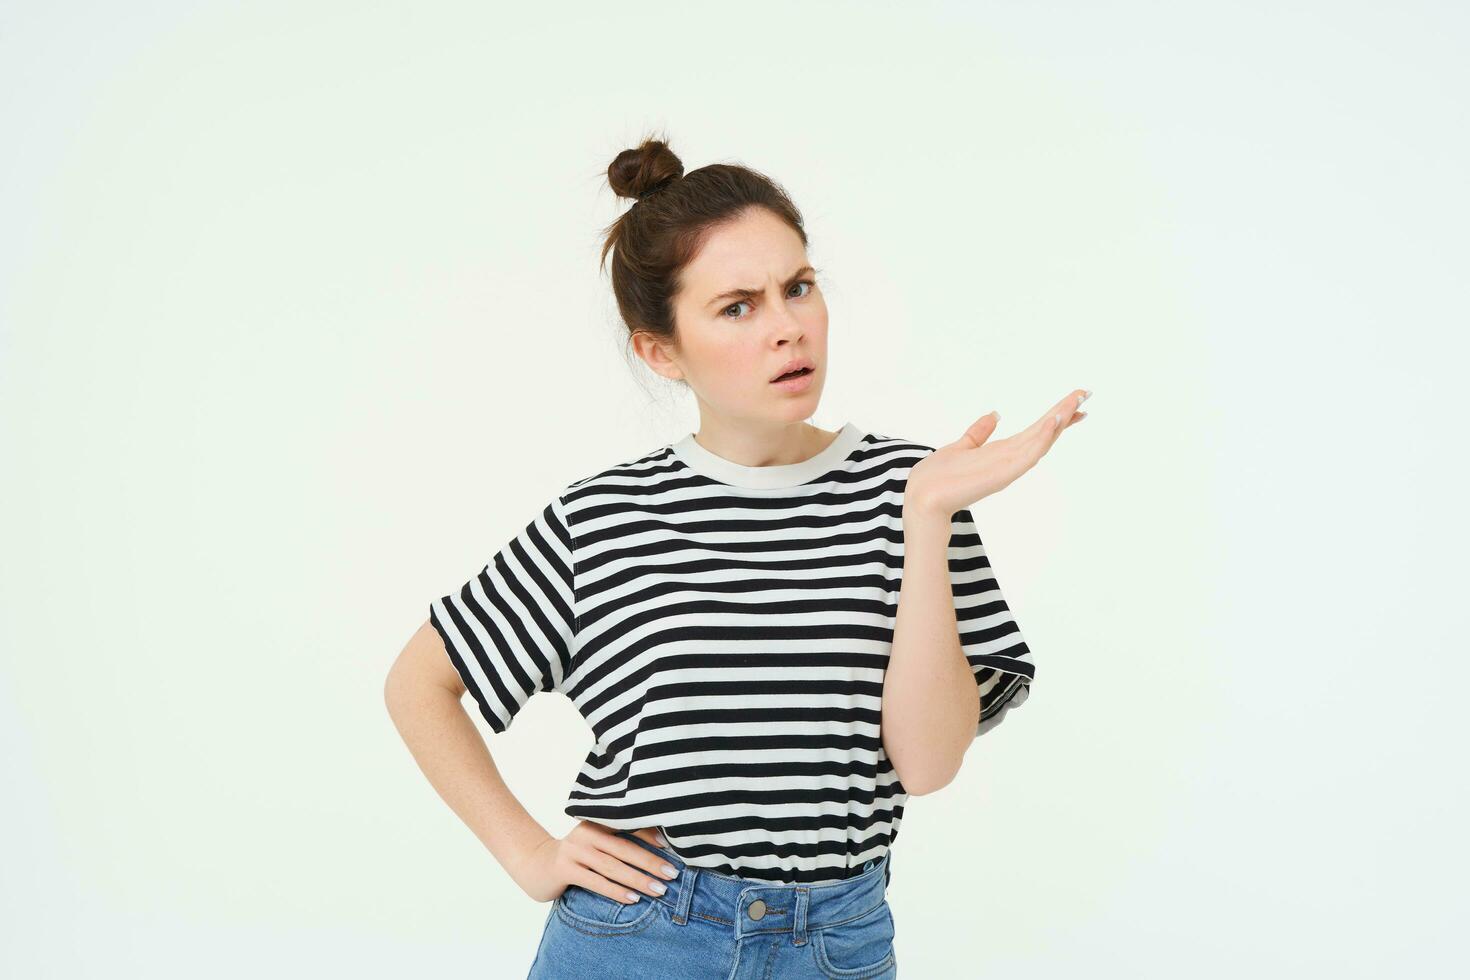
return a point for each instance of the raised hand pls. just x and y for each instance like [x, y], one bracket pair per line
[974, 466]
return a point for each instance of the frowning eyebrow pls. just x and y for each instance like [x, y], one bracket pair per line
[739, 294]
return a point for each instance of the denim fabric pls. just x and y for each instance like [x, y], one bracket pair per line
[702, 929]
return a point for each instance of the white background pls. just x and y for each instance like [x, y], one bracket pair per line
[300, 319]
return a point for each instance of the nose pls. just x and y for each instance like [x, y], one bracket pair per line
[787, 327]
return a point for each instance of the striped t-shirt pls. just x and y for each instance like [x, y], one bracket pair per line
[723, 629]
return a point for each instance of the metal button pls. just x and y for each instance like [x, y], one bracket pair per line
[757, 909]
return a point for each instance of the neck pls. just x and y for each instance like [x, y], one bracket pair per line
[762, 443]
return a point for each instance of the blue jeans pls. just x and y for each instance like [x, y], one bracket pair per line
[709, 925]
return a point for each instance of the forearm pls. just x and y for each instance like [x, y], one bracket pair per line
[930, 702]
[449, 750]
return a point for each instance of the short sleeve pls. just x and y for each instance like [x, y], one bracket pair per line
[509, 630]
[989, 635]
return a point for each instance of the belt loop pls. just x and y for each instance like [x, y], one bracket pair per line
[798, 926]
[687, 877]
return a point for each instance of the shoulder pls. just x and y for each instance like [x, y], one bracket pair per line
[892, 448]
[649, 467]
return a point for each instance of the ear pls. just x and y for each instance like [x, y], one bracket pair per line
[656, 355]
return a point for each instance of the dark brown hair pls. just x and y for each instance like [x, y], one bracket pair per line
[665, 228]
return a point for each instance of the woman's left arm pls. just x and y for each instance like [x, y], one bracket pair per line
[931, 707]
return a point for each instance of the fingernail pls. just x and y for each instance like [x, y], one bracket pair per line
[659, 887]
[670, 871]
[997, 415]
[634, 896]
[1085, 395]
[1057, 419]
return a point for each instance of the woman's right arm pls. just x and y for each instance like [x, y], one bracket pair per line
[423, 694]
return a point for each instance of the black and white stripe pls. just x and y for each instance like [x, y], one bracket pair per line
[724, 631]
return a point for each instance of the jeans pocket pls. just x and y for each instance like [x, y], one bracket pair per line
[595, 914]
[858, 948]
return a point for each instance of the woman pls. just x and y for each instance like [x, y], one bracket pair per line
[733, 614]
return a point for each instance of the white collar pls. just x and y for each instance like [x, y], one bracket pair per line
[701, 460]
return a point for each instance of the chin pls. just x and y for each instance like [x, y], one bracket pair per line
[800, 409]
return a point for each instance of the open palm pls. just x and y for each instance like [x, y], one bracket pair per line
[974, 466]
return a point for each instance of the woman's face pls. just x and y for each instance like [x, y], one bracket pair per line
[747, 305]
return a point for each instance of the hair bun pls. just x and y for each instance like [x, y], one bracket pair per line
[640, 171]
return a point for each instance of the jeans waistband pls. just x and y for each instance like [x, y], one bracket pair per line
[751, 907]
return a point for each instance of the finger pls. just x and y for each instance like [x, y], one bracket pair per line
[625, 863]
[1066, 409]
[1076, 417]
[1049, 424]
[594, 864]
[1052, 428]
[604, 886]
[1036, 430]
[655, 864]
[980, 430]
[651, 835]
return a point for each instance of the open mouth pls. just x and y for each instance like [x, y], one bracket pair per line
[792, 374]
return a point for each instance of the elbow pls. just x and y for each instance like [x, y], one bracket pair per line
[924, 789]
[934, 767]
[392, 679]
[922, 784]
[916, 789]
[397, 690]
[391, 694]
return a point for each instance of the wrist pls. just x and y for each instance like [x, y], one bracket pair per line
[920, 514]
[524, 855]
